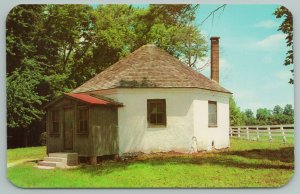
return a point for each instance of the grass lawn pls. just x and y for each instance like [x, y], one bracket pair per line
[245, 164]
[21, 154]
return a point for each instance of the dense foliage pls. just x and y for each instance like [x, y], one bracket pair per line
[263, 116]
[53, 49]
[287, 28]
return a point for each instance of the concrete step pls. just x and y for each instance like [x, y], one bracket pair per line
[52, 164]
[71, 159]
[55, 159]
[59, 154]
[59, 160]
[45, 167]
[47, 163]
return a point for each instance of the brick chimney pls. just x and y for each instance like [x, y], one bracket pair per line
[214, 59]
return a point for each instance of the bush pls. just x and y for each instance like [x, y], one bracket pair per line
[43, 138]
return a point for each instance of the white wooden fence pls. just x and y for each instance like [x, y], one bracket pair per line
[262, 132]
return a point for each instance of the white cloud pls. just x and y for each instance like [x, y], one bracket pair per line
[254, 106]
[224, 64]
[205, 63]
[271, 43]
[274, 43]
[268, 24]
[270, 85]
[245, 95]
[225, 70]
[268, 59]
[202, 62]
[284, 75]
[204, 67]
[247, 99]
[204, 33]
[277, 80]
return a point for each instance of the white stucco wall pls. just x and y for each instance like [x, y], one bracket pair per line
[187, 117]
[206, 135]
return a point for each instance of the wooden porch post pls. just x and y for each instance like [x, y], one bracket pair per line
[93, 160]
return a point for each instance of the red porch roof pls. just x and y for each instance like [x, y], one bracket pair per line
[88, 99]
[92, 99]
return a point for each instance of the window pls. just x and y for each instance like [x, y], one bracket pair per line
[212, 114]
[54, 121]
[83, 120]
[156, 112]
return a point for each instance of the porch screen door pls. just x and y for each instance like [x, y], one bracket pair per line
[68, 128]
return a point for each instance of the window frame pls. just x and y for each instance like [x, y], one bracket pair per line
[163, 112]
[79, 131]
[211, 124]
[53, 122]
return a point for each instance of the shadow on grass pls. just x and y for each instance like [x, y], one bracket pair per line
[106, 167]
[250, 159]
[285, 154]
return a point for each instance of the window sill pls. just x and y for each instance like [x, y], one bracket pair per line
[212, 126]
[157, 126]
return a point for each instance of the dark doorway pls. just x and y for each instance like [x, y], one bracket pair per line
[68, 128]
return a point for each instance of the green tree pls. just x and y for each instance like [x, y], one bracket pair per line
[282, 115]
[278, 117]
[120, 29]
[24, 70]
[115, 34]
[65, 45]
[263, 116]
[171, 28]
[23, 102]
[22, 25]
[236, 116]
[288, 110]
[65, 36]
[277, 110]
[43, 39]
[249, 113]
[287, 28]
[249, 117]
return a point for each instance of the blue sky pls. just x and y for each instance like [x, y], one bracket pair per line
[252, 52]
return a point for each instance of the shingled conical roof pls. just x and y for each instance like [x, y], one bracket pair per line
[149, 67]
